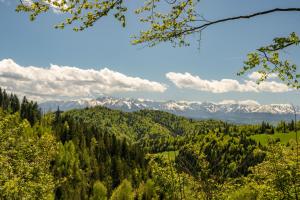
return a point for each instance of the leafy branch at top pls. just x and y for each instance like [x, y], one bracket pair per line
[269, 61]
[84, 12]
[183, 19]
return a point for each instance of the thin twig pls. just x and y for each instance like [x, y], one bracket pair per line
[238, 18]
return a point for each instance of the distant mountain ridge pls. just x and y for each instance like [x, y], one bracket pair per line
[237, 112]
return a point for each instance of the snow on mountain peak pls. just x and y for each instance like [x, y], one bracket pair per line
[192, 109]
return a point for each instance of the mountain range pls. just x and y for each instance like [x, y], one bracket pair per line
[231, 111]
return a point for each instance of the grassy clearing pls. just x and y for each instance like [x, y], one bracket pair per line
[284, 137]
[169, 155]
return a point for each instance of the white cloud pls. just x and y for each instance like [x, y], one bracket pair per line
[189, 81]
[27, 2]
[242, 102]
[248, 102]
[63, 82]
[55, 9]
[255, 76]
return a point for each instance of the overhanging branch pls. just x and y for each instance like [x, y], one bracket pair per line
[199, 28]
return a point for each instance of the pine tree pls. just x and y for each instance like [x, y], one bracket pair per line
[14, 103]
[99, 191]
[30, 111]
[57, 118]
[123, 191]
[5, 100]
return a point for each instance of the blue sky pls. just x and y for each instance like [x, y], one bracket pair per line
[107, 45]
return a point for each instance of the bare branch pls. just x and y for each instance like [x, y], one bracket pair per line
[238, 18]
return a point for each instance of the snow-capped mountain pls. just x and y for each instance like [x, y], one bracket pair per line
[238, 112]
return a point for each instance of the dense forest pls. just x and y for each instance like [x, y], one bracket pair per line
[99, 153]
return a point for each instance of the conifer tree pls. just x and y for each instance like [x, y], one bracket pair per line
[99, 191]
[123, 191]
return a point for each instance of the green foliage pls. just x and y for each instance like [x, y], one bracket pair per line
[219, 156]
[86, 12]
[123, 191]
[126, 125]
[172, 26]
[279, 174]
[68, 172]
[28, 109]
[147, 191]
[165, 177]
[172, 183]
[171, 155]
[25, 160]
[275, 178]
[245, 193]
[94, 148]
[10, 102]
[99, 191]
[268, 60]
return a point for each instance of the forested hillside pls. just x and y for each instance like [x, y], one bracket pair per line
[98, 153]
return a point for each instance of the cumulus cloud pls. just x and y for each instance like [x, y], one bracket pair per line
[242, 102]
[64, 82]
[27, 2]
[189, 81]
[255, 76]
[55, 9]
